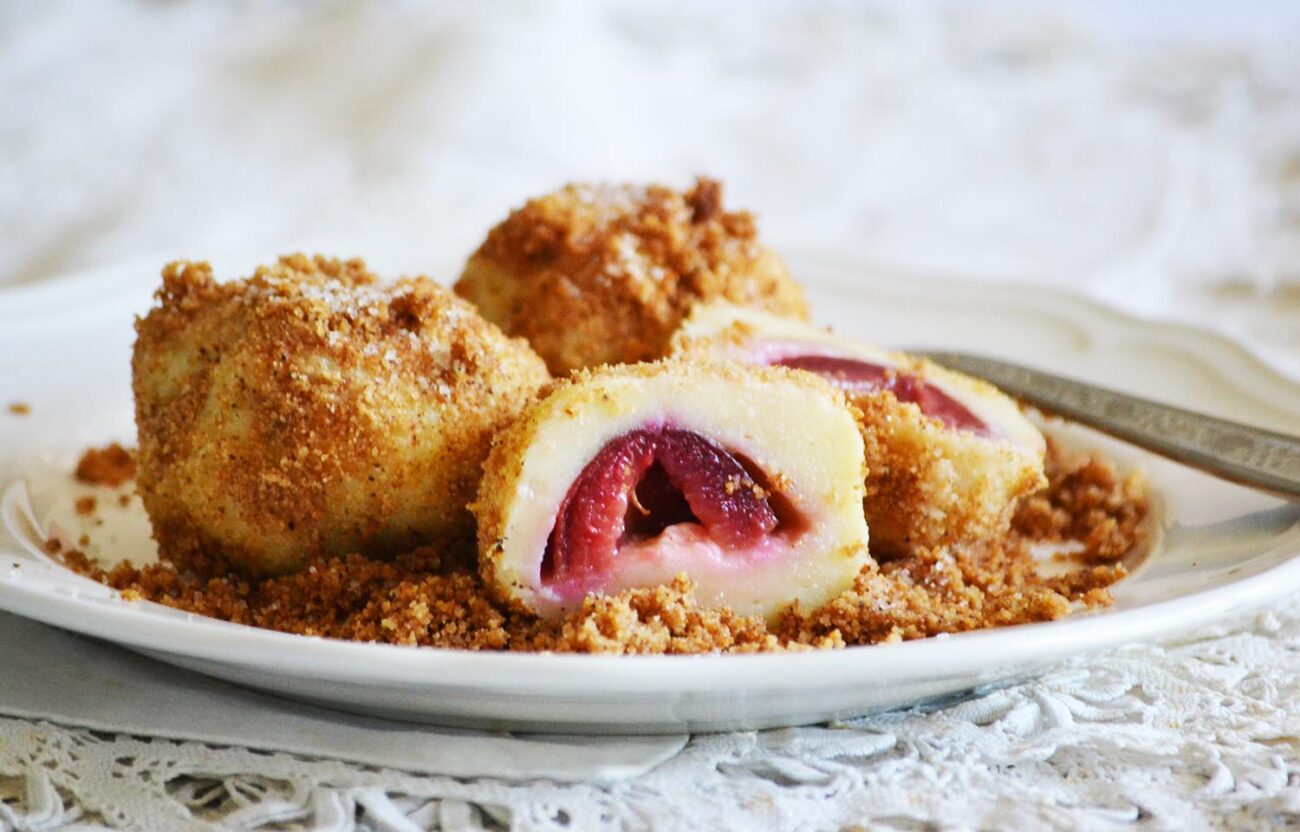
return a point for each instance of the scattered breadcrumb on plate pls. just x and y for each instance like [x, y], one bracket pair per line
[433, 596]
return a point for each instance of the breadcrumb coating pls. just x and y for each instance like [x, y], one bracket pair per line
[603, 274]
[309, 411]
[110, 465]
[433, 596]
[1083, 501]
[930, 486]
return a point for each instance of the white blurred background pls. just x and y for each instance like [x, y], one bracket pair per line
[1146, 154]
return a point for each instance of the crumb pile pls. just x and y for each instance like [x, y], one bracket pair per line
[111, 465]
[434, 597]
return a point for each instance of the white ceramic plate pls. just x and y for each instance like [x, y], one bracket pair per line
[64, 348]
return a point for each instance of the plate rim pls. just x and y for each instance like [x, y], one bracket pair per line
[959, 653]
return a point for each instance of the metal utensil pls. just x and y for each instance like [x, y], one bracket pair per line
[1249, 456]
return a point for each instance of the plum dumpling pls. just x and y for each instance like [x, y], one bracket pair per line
[948, 456]
[749, 481]
[603, 273]
[311, 411]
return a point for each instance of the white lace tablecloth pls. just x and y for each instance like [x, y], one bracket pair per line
[1195, 734]
[1147, 156]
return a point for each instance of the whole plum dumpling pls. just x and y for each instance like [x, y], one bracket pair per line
[603, 274]
[309, 411]
[747, 481]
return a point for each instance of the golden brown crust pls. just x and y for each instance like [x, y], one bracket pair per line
[110, 465]
[308, 411]
[597, 274]
[929, 486]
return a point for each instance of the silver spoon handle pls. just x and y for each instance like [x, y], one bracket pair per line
[1254, 457]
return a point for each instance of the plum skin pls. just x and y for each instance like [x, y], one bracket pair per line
[716, 488]
[856, 376]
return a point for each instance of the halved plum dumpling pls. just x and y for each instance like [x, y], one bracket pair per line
[748, 480]
[948, 456]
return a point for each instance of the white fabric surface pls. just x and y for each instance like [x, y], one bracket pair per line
[1196, 734]
[49, 674]
[1146, 155]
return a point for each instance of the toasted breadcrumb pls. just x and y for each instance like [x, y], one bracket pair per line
[85, 506]
[434, 597]
[312, 410]
[597, 274]
[110, 465]
[20, 408]
[1084, 501]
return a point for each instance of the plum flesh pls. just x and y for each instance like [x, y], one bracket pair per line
[640, 484]
[854, 376]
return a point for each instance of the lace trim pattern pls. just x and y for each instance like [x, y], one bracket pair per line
[1192, 734]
